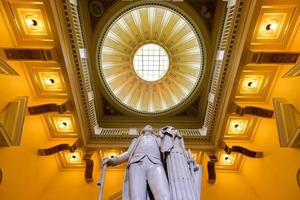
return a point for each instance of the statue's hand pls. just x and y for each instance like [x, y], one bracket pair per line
[109, 161]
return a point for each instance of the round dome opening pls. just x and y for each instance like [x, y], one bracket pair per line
[151, 62]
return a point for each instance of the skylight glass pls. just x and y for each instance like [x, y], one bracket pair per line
[151, 62]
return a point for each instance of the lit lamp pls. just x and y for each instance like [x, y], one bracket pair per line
[226, 159]
[237, 127]
[31, 22]
[74, 157]
[271, 27]
[63, 125]
[50, 81]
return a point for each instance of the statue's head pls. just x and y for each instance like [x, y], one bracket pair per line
[147, 129]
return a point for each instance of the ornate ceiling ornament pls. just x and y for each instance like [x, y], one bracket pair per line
[150, 58]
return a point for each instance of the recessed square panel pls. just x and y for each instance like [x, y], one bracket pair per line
[255, 83]
[229, 162]
[29, 21]
[240, 128]
[61, 125]
[273, 26]
[47, 80]
[69, 160]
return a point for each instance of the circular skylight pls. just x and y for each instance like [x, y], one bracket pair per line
[151, 62]
[150, 59]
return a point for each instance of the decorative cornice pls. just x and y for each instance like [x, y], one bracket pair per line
[12, 120]
[6, 69]
[50, 107]
[294, 71]
[288, 123]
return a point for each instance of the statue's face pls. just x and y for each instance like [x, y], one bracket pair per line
[147, 129]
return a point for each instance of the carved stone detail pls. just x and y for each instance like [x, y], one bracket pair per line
[11, 122]
[51, 107]
[30, 54]
[251, 110]
[6, 69]
[58, 148]
[288, 123]
[211, 168]
[271, 57]
[243, 150]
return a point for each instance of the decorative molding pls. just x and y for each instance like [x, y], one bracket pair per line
[211, 168]
[11, 122]
[288, 123]
[240, 128]
[47, 79]
[51, 107]
[256, 82]
[71, 160]
[89, 166]
[6, 69]
[284, 16]
[58, 148]
[272, 58]
[250, 110]
[243, 150]
[229, 162]
[294, 71]
[29, 22]
[30, 54]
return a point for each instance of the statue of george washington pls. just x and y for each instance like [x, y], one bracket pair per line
[159, 167]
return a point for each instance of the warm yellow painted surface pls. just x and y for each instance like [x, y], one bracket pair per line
[25, 174]
[6, 40]
[12, 86]
[274, 176]
[71, 185]
[287, 88]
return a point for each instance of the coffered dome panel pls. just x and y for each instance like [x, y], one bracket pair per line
[150, 59]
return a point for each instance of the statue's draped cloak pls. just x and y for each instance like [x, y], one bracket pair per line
[184, 180]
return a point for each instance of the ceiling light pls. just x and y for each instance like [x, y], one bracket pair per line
[226, 159]
[271, 27]
[31, 22]
[50, 81]
[63, 125]
[252, 84]
[237, 127]
[74, 157]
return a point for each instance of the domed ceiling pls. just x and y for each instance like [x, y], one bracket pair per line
[150, 59]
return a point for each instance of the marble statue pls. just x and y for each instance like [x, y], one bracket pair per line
[159, 167]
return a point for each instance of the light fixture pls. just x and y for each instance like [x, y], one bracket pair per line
[226, 159]
[237, 127]
[271, 26]
[31, 22]
[63, 125]
[50, 81]
[74, 157]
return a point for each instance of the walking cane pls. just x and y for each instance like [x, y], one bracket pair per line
[101, 181]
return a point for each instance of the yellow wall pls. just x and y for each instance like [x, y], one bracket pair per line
[25, 174]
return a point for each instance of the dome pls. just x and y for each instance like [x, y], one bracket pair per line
[150, 59]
